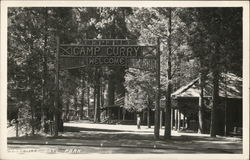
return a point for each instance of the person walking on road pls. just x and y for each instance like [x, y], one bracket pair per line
[138, 121]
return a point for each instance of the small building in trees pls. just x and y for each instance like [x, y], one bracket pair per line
[229, 112]
[116, 113]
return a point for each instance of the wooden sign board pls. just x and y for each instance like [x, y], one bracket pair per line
[105, 53]
[148, 64]
[76, 62]
[97, 51]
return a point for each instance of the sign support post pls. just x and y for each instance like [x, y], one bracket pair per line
[56, 89]
[158, 94]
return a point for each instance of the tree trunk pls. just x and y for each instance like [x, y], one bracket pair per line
[215, 74]
[45, 72]
[201, 104]
[213, 129]
[148, 112]
[32, 121]
[97, 92]
[148, 117]
[110, 94]
[75, 104]
[225, 105]
[17, 126]
[111, 91]
[98, 104]
[88, 97]
[82, 98]
[67, 109]
[158, 94]
[102, 90]
[167, 134]
[95, 104]
[57, 96]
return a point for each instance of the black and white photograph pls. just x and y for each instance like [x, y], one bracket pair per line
[124, 80]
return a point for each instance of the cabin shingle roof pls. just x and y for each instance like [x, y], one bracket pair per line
[230, 86]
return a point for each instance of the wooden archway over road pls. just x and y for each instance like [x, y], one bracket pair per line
[108, 52]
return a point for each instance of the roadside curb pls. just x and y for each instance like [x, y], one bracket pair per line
[153, 146]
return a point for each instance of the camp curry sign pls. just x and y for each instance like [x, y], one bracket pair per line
[122, 51]
[104, 53]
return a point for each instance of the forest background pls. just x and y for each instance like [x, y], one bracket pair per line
[194, 42]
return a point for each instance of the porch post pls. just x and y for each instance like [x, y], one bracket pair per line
[176, 119]
[179, 119]
[172, 118]
[123, 114]
[119, 113]
[160, 118]
[183, 123]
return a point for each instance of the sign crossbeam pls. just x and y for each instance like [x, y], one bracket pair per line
[119, 45]
[107, 41]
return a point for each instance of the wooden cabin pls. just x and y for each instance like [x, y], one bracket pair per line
[229, 112]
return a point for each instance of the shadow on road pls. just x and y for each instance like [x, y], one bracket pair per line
[104, 134]
[79, 129]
